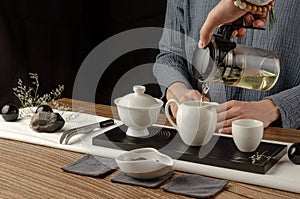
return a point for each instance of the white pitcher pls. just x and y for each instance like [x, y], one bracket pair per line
[196, 121]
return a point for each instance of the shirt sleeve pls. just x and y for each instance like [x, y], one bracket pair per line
[288, 102]
[171, 65]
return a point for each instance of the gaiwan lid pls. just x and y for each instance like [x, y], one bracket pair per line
[138, 99]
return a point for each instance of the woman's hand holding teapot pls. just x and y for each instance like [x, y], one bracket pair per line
[180, 92]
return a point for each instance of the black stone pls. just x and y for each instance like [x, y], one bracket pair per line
[10, 112]
[294, 153]
[47, 122]
[44, 108]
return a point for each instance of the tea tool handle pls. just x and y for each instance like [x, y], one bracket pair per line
[84, 129]
[167, 111]
[225, 31]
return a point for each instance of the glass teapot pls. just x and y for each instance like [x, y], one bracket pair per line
[235, 65]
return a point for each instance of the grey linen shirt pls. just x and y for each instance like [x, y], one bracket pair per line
[186, 17]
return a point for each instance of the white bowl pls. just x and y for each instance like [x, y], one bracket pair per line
[138, 119]
[138, 111]
[144, 163]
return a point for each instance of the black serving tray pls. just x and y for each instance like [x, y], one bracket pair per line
[220, 151]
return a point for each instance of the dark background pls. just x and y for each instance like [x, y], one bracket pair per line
[53, 37]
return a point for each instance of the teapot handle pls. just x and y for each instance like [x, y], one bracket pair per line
[168, 113]
[225, 31]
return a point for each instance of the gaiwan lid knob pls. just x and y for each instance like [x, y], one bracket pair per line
[138, 99]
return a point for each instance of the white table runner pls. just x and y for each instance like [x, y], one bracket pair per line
[284, 175]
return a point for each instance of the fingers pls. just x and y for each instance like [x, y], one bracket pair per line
[239, 33]
[195, 95]
[258, 20]
[187, 95]
[225, 106]
[227, 130]
[248, 19]
[259, 23]
[226, 123]
[224, 12]
[207, 31]
[234, 34]
[205, 99]
[232, 110]
[226, 114]
[214, 19]
[174, 109]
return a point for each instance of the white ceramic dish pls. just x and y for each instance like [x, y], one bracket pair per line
[144, 163]
[138, 111]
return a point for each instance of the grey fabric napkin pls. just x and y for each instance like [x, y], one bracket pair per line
[91, 165]
[195, 186]
[121, 177]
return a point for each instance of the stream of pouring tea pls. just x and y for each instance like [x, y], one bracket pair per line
[205, 89]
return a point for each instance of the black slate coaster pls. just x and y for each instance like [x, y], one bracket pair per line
[195, 186]
[93, 166]
[121, 177]
[220, 151]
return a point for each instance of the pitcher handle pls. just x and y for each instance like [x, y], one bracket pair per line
[168, 113]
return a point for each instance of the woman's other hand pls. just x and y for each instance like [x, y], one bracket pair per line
[264, 110]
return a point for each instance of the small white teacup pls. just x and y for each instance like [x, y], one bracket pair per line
[247, 134]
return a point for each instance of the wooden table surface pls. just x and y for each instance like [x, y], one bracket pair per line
[33, 171]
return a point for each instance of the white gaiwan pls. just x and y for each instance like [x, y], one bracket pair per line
[138, 111]
[144, 163]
